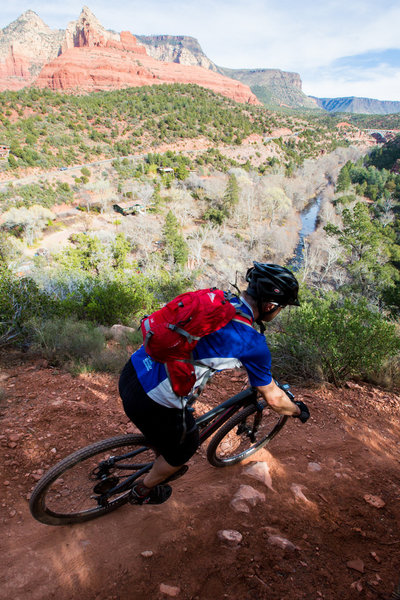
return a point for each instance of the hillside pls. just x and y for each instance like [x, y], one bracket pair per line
[86, 57]
[326, 524]
[48, 129]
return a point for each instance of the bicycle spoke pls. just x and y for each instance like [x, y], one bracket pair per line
[243, 435]
[82, 485]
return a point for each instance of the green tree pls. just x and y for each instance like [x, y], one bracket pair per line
[120, 250]
[87, 254]
[231, 196]
[369, 249]
[85, 172]
[343, 181]
[175, 243]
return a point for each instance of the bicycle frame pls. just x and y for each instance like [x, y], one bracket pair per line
[214, 418]
[207, 423]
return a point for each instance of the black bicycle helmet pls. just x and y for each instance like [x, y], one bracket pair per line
[268, 282]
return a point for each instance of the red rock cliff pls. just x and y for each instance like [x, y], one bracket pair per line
[87, 57]
[121, 64]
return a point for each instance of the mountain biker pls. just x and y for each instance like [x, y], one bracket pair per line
[153, 407]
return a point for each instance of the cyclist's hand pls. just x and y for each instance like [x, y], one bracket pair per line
[304, 412]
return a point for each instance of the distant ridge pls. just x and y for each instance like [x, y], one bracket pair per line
[272, 87]
[367, 106]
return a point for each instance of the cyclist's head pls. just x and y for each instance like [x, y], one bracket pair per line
[272, 283]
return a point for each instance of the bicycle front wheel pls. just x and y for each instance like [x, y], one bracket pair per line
[241, 437]
[76, 489]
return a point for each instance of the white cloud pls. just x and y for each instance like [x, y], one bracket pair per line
[380, 83]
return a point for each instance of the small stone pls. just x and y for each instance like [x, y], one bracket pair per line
[12, 513]
[169, 590]
[281, 542]
[356, 564]
[147, 553]
[12, 445]
[246, 495]
[297, 490]
[312, 466]
[14, 437]
[260, 471]
[53, 450]
[375, 501]
[6, 482]
[357, 585]
[375, 557]
[230, 536]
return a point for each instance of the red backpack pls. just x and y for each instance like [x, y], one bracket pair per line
[171, 333]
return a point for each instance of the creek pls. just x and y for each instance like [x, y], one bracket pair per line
[308, 218]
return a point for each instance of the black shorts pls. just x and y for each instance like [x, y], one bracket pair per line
[162, 426]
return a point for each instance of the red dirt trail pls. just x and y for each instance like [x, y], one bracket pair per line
[343, 545]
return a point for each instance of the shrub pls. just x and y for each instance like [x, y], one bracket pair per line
[110, 360]
[107, 302]
[63, 340]
[20, 300]
[333, 339]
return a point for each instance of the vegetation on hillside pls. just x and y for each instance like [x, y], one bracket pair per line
[347, 325]
[46, 129]
[200, 219]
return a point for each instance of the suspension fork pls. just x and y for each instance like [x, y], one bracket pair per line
[257, 419]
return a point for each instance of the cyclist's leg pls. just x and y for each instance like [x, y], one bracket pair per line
[162, 427]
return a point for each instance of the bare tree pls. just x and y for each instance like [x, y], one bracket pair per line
[198, 239]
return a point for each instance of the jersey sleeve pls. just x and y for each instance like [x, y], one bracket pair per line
[257, 362]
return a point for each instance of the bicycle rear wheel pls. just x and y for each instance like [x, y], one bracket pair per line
[75, 489]
[237, 439]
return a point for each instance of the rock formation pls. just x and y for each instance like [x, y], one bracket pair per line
[87, 31]
[272, 87]
[25, 46]
[87, 57]
[181, 49]
[89, 69]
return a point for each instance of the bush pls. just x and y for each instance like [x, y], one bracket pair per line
[110, 360]
[62, 340]
[106, 302]
[333, 339]
[20, 300]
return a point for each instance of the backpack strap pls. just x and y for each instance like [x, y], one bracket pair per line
[149, 332]
[245, 319]
[190, 338]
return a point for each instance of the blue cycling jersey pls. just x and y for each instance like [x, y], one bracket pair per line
[235, 345]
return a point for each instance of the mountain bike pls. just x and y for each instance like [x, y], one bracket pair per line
[96, 480]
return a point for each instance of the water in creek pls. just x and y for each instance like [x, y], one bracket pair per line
[308, 223]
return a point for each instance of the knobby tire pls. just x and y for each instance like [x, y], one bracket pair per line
[228, 447]
[69, 482]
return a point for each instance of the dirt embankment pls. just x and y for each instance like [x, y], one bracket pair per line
[333, 493]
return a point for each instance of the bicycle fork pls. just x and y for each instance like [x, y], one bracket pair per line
[251, 432]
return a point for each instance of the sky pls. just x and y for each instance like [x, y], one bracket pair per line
[340, 48]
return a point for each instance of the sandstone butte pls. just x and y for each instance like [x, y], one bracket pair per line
[112, 64]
